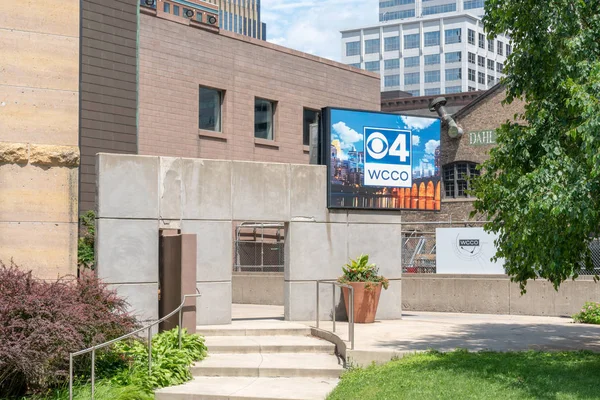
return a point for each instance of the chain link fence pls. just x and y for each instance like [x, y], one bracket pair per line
[595, 249]
[259, 247]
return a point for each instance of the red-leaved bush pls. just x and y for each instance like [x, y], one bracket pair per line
[42, 322]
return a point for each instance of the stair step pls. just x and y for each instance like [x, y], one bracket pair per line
[268, 344]
[313, 365]
[236, 388]
[255, 328]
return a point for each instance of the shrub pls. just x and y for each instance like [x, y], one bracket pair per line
[589, 314]
[42, 322]
[359, 270]
[86, 257]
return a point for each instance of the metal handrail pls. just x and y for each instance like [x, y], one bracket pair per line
[350, 307]
[108, 343]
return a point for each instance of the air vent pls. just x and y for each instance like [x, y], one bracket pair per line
[189, 13]
[150, 3]
[212, 20]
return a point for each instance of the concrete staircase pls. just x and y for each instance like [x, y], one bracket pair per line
[267, 360]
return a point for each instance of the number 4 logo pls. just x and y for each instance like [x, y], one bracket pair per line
[399, 149]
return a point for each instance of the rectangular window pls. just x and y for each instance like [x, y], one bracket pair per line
[412, 78]
[454, 57]
[411, 41]
[471, 34]
[471, 74]
[432, 59]
[391, 64]
[371, 46]
[432, 92]
[444, 8]
[199, 17]
[352, 49]
[490, 65]
[175, 10]
[264, 110]
[310, 117]
[472, 89]
[392, 15]
[372, 66]
[481, 77]
[414, 93]
[508, 50]
[432, 76]
[491, 80]
[211, 101]
[453, 89]
[499, 67]
[481, 61]
[355, 65]
[431, 38]
[167, 8]
[491, 45]
[410, 62]
[452, 36]
[391, 43]
[453, 74]
[469, 4]
[500, 48]
[481, 41]
[391, 80]
[472, 58]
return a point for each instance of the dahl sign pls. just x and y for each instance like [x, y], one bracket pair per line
[482, 138]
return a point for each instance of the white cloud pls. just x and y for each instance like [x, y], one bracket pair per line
[417, 123]
[347, 134]
[416, 140]
[430, 147]
[314, 26]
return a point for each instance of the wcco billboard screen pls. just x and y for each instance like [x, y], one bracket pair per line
[381, 161]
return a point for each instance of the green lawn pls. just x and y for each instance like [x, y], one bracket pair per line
[484, 375]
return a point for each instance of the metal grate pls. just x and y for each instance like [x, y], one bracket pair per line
[259, 247]
[418, 253]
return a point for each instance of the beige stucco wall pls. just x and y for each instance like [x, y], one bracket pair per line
[39, 157]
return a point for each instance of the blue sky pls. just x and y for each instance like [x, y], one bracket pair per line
[313, 26]
[348, 127]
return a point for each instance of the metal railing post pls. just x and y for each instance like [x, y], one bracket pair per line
[93, 370]
[333, 307]
[317, 304]
[180, 322]
[351, 317]
[70, 376]
[150, 350]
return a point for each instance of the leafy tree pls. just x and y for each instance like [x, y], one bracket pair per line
[86, 257]
[541, 184]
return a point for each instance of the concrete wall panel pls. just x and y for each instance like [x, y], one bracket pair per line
[128, 186]
[300, 301]
[374, 217]
[383, 244]
[206, 189]
[308, 195]
[29, 193]
[214, 306]
[390, 302]
[127, 250]
[214, 249]
[49, 249]
[169, 187]
[261, 191]
[142, 299]
[59, 17]
[315, 251]
[257, 288]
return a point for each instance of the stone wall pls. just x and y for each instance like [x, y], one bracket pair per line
[39, 155]
[138, 195]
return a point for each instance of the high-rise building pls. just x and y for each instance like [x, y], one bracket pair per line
[241, 16]
[428, 47]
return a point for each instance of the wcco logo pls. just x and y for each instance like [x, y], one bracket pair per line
[387, 157]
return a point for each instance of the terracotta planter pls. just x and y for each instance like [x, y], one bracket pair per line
[365, 301]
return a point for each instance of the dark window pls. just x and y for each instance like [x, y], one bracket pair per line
[471, 33]
[167, 8]
[210, 109]
[310, 117]
[482, 40]
[491, 45]
[264, 110]
[481, 77]
[458, 178]
[490, 65]
[500, 47]
[472, 58]
[481, 61]
[175, 10]
[471, 74]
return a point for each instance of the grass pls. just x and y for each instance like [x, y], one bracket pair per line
[483, 375]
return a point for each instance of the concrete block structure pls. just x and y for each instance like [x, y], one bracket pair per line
[315, 250]
[39, 120]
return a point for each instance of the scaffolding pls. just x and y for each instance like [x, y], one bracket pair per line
[259, 247]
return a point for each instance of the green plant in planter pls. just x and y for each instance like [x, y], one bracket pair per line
[359, 270]
[590, 314]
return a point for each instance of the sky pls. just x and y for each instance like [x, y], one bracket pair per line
[313, 26]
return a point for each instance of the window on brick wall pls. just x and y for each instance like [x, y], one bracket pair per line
[458, 178]
[211, 101]
[310, 117]
[264, 112]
